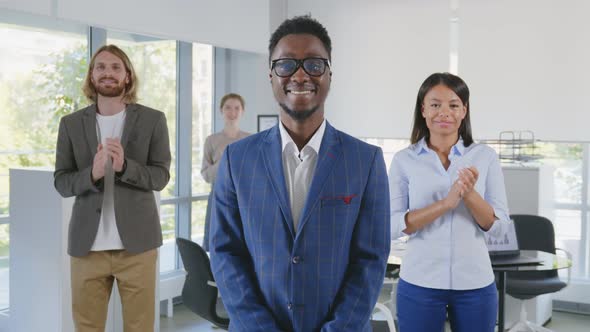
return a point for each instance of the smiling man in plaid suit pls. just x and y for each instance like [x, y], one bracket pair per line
[300, 231]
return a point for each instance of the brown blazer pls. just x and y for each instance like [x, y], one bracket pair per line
[147, 152]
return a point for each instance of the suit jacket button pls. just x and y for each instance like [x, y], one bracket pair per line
[289, 305]
[296, 260]
[97, 210]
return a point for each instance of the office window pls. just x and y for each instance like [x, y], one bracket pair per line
[198, 211]
[568, 235]
[168, 249]
[4, 268]
[389, 146]
[52, 60]
[52, 63]
[569, 210]
[566, 161]
[154, 61]
[202, 127]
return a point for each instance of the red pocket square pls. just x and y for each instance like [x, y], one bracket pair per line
[346, 199]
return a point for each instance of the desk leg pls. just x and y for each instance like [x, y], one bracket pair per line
[501, 296]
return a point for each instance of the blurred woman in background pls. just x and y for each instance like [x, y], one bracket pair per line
[232, 108]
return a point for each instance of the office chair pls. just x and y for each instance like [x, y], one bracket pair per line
[533, 233]
[199, 293]
[391, 278]
[386, 325]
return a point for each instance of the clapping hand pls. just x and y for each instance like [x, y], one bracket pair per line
[463, 186]
[115, 151]
[468, 177]
[99, 163]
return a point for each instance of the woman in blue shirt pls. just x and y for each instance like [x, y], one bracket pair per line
[446, 192]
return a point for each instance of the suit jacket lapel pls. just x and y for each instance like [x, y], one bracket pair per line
[273, 161]
[330, 153]
[89, 122]
[130, 119]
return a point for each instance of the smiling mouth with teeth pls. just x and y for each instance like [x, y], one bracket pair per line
[301, 92]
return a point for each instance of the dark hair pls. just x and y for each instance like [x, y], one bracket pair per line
[453, 82]
[300, 25]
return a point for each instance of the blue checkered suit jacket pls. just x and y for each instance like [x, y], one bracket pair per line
[326, 276]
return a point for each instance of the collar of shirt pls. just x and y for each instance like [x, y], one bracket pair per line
[422, 147]
[314, 143]
[117, 115]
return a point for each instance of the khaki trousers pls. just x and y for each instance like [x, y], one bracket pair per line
[92, 282]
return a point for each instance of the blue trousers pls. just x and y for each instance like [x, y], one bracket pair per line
[421, 309]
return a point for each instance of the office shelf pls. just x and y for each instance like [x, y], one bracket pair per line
[515, 146]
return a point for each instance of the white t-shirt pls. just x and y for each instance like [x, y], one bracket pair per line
[107, 236]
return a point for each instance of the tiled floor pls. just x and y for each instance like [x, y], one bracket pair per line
[185, 321]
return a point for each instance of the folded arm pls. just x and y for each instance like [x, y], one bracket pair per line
[491, 210]
[208, 167]
[155, 174]
[67, 178]
[406, 222]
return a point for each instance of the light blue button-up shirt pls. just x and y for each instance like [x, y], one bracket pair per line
[449, 253]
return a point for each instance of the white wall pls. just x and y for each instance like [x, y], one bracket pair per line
[278, 11]
[527, 63]
[382, 51]
[235, 24]
[41, 7]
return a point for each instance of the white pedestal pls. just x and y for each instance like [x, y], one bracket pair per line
[529, 190]
[40, 293]
[538, 309]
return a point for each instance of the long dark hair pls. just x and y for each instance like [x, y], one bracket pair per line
[453, 82]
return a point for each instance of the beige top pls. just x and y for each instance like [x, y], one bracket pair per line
[212, 151]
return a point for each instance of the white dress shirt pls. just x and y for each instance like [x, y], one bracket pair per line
[107, 235]
[449, 253]
[299, 167]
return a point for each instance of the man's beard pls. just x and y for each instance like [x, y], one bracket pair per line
[299, 116]
[113, 91]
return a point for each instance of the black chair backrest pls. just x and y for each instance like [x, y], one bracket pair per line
[197, 295]
[534, 233]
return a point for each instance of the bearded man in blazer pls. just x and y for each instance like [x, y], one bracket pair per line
[111, 156]
[300, 229]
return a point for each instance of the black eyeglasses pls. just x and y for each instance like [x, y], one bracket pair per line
[287, 66]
